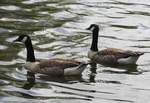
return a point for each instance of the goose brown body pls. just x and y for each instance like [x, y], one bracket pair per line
[113, 55]
[53, 66]
[110, 55]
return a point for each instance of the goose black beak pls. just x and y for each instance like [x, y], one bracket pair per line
[87, 28]
[16, 40]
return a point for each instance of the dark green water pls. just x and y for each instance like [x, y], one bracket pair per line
[57, 28]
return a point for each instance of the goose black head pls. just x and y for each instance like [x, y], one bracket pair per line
[22, 38]
[93, 27]
[28, 44]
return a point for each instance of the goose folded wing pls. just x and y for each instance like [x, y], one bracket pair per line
[119, 52]
[111, 55]
[57, 66]
[51, 67]
[62, 63]
[110, 51]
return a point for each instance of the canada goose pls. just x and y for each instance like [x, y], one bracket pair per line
[110, 55]
[51, 66]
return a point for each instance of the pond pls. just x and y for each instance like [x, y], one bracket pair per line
[57, 29]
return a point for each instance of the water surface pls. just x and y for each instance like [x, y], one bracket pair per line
[57, 28]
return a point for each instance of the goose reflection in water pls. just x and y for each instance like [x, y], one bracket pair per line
[128, 69]
[30, 81]
[61, 79]
[93, 72]
[125, 69]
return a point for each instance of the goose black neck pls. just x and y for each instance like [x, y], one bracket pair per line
[30, 51]
[94, 46]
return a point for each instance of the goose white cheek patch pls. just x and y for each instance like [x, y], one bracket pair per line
[24, 39]
[92, 28]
